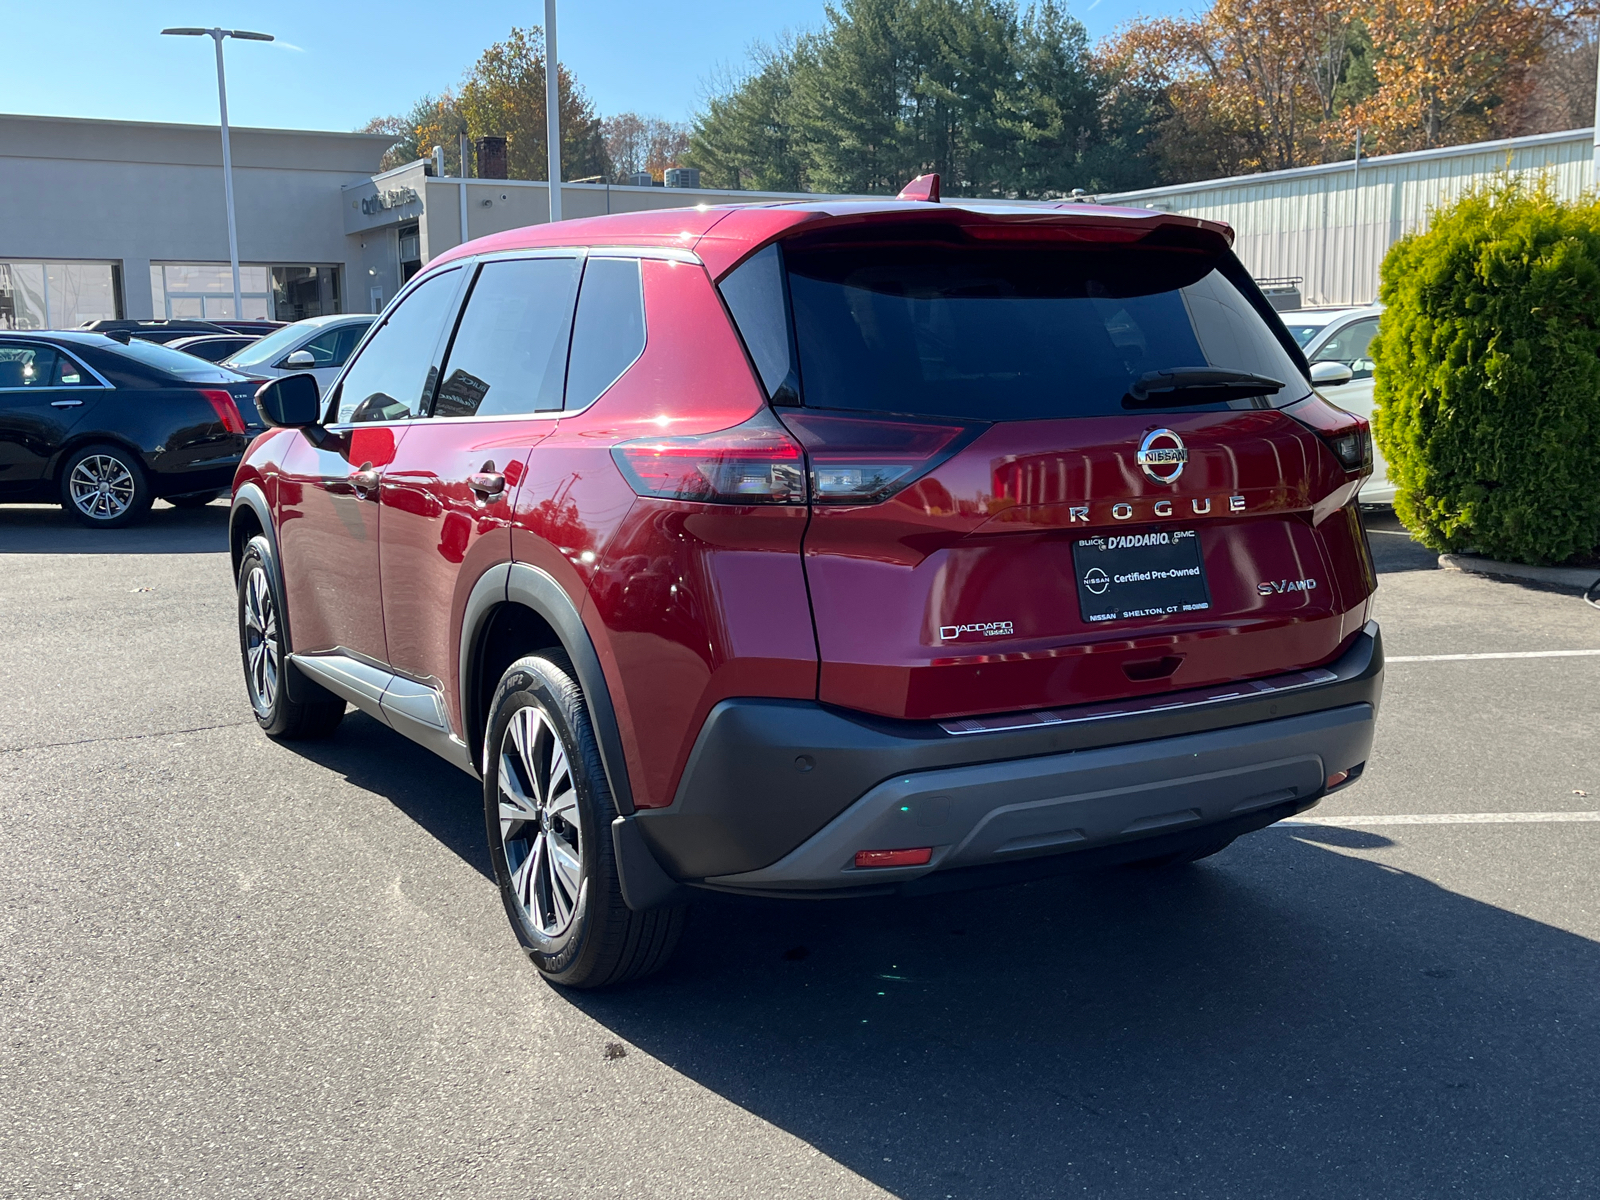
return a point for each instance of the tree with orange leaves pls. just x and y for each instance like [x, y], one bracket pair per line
[1247, 86]
[1446, 68]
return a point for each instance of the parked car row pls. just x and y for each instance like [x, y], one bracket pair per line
[105, 420]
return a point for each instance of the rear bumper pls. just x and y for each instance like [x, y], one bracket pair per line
[778, 796]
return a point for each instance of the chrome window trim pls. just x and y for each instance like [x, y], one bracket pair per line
[100, 385]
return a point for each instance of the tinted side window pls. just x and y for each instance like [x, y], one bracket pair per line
[609, 332]
[26, 366]
[392, 379]
[758, 299]
[509, 355]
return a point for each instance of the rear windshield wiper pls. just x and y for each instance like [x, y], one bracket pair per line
[1196, 385]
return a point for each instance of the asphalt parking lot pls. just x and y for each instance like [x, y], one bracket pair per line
[233, 968]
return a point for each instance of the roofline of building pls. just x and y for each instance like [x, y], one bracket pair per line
[206, 129]
[1345, 165]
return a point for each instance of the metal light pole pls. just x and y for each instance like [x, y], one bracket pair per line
[217, 35]
[552, 107]
[1355, 215]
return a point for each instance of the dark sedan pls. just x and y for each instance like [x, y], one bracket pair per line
[104, 427]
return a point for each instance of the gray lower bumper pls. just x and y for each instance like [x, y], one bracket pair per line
[997, 812]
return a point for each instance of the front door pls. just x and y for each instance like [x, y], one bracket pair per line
[447, 497]
[328, 509]
[44, 393]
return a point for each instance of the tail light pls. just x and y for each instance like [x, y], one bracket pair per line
[754, 463]
[1345, 433]
[862, 460]
[845, 460]
[227, 411]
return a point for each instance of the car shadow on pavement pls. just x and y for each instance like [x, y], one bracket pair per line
[1282, 1020]
[441, 799]
[47, 529]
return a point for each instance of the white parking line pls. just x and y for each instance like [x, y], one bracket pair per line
[1392, 532]
[1405, 658]
[1507, 818]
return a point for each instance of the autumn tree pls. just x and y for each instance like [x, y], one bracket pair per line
[503, 95]
[1447, 68]
[637, 144]
[1250, 85]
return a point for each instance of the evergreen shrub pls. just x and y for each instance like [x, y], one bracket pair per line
[1487, 400]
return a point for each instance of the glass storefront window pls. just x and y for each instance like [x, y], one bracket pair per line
[58, 295]
[204, 291]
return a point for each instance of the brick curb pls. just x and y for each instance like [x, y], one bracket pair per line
[1572, 578]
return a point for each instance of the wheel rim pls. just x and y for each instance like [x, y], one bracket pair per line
[262, 653]
[539, 827]
[101, 486]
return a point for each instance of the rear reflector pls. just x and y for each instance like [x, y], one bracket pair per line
[862, 460]
[894, 858]
[227, 411]
[1336, 779]
[754, 463]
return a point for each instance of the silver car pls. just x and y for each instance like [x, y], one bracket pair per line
[1336, 342]
[317, 345]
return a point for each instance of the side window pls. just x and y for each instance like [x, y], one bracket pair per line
[70, 374]
[27, 366]
[509, 354]
[324, 348]
[392, 378]
[758, 299]
[608, 334]
[349, 335]
[1350, 346]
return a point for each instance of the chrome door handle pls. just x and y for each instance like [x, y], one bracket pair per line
[365, 480]
[66, 404]
[489, 485]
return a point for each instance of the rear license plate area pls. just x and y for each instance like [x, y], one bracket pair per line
[1124, 576]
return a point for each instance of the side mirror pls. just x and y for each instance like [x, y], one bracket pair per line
[290, 402]
[1330, 373]
[300, 360]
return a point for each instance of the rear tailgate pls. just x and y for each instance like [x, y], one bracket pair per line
[965, 594]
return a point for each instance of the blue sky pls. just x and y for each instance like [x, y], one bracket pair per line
[346, 62]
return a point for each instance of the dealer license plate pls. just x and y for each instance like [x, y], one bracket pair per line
[1152, 574]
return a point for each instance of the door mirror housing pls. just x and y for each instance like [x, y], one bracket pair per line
[290, 402]
[1330, 373]
[300, 360]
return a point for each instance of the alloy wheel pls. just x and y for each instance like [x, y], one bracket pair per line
[540, 830]
[101, 487]
[261, 645]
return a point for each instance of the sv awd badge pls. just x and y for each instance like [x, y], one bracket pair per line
[1273, 587]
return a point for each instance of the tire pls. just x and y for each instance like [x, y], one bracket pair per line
[105, 487]
[198, 500]
[261, 645]
[556, 868]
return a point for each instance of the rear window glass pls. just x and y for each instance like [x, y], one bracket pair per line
[1014, 333]
[175, 362]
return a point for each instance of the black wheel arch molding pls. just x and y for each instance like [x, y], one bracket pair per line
[645, 884]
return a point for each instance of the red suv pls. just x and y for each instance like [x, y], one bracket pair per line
[821, 549]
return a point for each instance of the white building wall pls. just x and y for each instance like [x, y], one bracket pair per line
[1320, 224]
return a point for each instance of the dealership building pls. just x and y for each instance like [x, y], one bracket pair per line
[127, 219]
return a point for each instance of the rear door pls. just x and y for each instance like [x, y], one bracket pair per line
[44, 394]
[448, 494]
[1009, 512]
